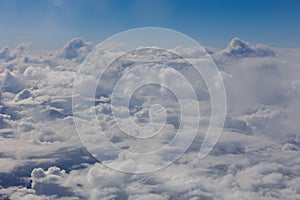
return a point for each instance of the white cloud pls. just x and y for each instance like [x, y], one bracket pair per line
[257, 156]
[10, 82]
[6, 54]
[240, 48]
[48, 182]
[76, 49]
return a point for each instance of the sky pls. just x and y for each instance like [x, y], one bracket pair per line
[54, 104]
[48, 24]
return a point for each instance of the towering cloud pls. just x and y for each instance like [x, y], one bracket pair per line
[76, 49]
[11, 83]
[240, 48]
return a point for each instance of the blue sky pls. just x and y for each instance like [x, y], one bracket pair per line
[49, 24]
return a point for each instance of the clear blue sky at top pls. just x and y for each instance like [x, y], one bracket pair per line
[50, 23]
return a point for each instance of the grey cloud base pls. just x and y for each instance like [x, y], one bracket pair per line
[257, 156]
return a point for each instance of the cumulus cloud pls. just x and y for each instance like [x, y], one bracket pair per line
[257, 156]
[240, 48]
[76, 49]
[47, 182]
[11, 82]
[7, 55]
[16, 192]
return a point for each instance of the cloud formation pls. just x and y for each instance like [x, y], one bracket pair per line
[76, 49]
[240, 48]
[257, 156]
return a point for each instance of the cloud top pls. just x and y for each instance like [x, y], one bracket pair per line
[239, 48]
[76, 49]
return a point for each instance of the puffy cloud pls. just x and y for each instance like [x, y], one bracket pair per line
[7, 55]
[240, 48]
[76, 49]
[19, 51]
[38, 139]
[11, 82]
[48, 182]
[20, 193]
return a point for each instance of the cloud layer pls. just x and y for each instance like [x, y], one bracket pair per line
[257, 156]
